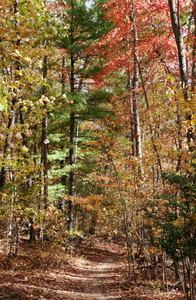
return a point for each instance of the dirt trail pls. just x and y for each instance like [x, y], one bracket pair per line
[93, 271]
[99, 272]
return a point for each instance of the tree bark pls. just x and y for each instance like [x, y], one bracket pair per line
[175, 18]
[138, 145]
[63, 75]
[194, 47]
[176, 26]
[191, 278]
[44, 157]
[72, 127]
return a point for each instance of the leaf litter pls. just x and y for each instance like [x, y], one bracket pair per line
[92, 270]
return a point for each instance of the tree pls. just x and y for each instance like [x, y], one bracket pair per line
[175, 221]
[80, 33]
[21, 41]
[176, 26]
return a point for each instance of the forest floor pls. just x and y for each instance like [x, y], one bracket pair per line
[89, 270]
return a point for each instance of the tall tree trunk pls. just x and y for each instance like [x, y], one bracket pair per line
[194, 46]
[71, 151]
[132, 135]
[194, 62]
[71, 174]
[176, 26]
[44, 156]
[138, 146]
[63, 161]
[175, 18]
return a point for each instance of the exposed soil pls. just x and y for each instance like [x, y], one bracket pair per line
[89, 271]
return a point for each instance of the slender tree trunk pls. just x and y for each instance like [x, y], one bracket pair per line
[138, 146]
[182, 279]
[156, 266]
[12, 233]
[132, 136]
[146, 260]
[194, 47]
[44, 151]
[44, 157]
[61, 204]
[132, 128]
[71, 151]
[184, 275]
[194, 62]
[134, 263]
[191, 279]
[32, 230]
[176, 270]
[63, 75]
[165, 279]
[71, 174]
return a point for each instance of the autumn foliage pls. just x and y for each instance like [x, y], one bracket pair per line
[97, 136]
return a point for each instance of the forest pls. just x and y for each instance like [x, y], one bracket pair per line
[98, 146]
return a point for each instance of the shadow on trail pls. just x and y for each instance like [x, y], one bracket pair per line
[91, 272]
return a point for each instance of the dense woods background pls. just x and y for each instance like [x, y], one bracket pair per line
[97, 136]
